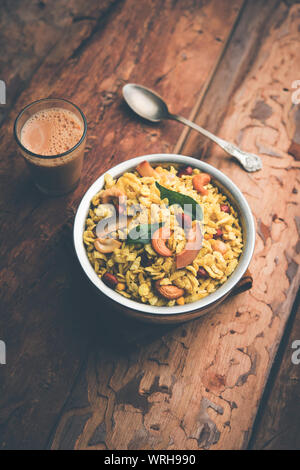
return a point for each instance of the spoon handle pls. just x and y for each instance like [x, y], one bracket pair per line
[249, 161]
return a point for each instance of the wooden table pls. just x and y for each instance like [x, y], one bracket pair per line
[77, 375]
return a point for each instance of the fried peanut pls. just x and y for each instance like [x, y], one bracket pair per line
[180, 301]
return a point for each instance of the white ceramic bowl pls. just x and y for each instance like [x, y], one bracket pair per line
[177, 313]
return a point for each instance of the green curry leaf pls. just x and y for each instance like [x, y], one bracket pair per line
[142, 233]
[188, 204]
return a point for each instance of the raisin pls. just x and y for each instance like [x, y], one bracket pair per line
[145, 261]
[110, 280]
[202, 273]
[188, 170]
[224, 208]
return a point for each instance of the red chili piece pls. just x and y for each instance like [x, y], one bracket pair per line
[219, 234]
[184, 220]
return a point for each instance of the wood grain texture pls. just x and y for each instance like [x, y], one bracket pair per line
[199, 385]
[80, 376]
[278, 421]
[258, 121]
[32, 31]
[49, 316]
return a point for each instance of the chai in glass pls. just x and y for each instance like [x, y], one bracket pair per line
[51, 134]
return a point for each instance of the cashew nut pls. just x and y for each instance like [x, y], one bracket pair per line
[106, 245]
[145, 169]
[159, 239]
[111, 193]
[199, 181]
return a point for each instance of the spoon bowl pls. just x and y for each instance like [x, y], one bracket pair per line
[145, 102]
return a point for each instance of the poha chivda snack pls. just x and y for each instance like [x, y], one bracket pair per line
[162, 236]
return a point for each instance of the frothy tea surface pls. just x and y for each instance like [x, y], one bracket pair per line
[51, 131]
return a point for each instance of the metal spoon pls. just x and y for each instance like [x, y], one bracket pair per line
[149, 105]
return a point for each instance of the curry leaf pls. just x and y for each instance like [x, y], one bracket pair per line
[142, 233]
[188, 204]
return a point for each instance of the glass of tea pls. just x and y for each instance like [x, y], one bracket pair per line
[51, 135]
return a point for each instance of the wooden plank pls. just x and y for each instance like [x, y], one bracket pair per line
[32, 31]
[278, 424]
[199, 385]
[50, 317]
[258, 120]
[42, 361]
[231, 71]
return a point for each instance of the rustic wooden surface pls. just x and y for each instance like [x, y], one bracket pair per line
[278, 419]
[79, 376]
[32, 31]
